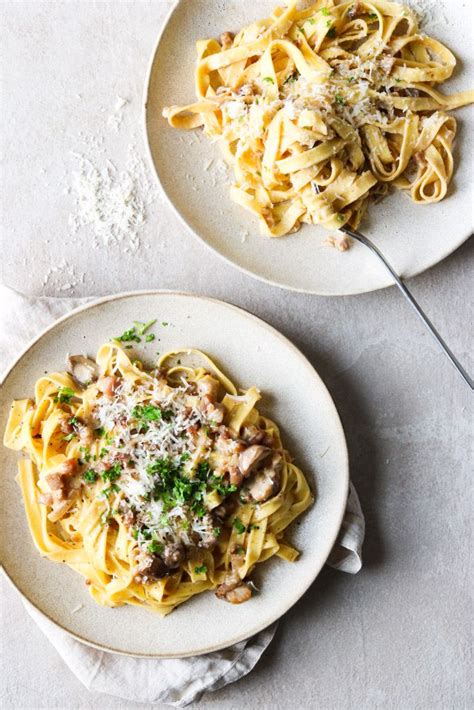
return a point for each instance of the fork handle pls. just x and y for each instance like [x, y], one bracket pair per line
[414, 304]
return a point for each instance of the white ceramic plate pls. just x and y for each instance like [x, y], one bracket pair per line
[413, 237]
[250, 352]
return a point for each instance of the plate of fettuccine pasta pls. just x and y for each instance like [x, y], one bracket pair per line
[271, 126]
[169, 487]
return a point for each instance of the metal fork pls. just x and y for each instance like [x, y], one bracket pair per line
[411, 300]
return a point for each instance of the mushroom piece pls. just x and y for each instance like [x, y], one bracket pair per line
[239, 595]
[233, 589]
[252, 457]
[208, 387]
[173, 554]
[266, 482]
[253, 435]
[150, 568]
[83, 369]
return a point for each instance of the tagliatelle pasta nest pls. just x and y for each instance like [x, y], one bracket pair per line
[154, 485]
[319, 109]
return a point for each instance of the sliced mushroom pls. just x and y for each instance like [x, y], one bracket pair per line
[150, 568]
[233, 589]
[250, 459]
[239, 595]
[231, 582]
[173, 554]
[253, 435]
[266, 483]
[209, 387]
[83, 369]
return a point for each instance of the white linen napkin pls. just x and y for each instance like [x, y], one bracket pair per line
[176, 682]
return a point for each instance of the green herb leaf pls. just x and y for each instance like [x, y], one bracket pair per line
[149, 337]
[201, 569]
[268, 79]
[70, 436]
[325, 11]
[147, 413]
[112, 473]
[155, 547]
[239, 526]
[129, 336]
[64, 395]
[340, 100]
[142, 328]
[90, 476]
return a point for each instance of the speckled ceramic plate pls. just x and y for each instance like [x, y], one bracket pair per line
[412, 237]
[251, 352]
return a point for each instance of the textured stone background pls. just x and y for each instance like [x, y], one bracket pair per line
[396, 636]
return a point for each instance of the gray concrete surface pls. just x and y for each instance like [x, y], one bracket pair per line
[396, 636]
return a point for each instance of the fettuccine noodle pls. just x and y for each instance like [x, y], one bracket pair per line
[319, 109]
[154, 485]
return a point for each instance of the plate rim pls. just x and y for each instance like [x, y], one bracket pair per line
[387, 282]
[345, 471]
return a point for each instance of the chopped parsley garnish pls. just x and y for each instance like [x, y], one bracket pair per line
[340, 100]
[113, 488]
[216, 532]
[74, 421]
[147, 413]
[112, 473]
[99, 432]
[328, 23]
[86, 456]
[135, 534]
[90, 476]
[129, 336]
[70, 436]
[239, 526]
[341, 218]
[155, 547]
[325, 11]
[164, 323]
[268, 79]
[373, 16]
[64, 395]
[201, 569]
[149, 337]
[103, 452]
[141, 328]
[217, 484]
